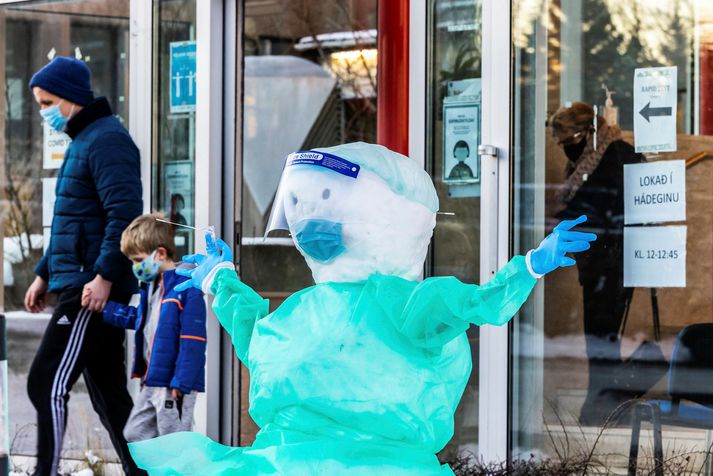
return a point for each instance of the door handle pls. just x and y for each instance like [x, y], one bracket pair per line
[489, 211]
[489, 150]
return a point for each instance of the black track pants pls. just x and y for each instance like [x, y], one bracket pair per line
[76, 342]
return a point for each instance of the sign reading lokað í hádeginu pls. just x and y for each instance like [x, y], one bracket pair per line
[655, 104]
[655, 192]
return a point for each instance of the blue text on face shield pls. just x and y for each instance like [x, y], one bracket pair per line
[320, 239]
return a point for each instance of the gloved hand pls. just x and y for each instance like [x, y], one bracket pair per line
[551, 253]
[218, 252]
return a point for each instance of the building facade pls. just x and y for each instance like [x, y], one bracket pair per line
[217, 92]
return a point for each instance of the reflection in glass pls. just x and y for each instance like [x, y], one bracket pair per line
[454, 92]
[594, 186]
[97, 32]
[584, 345]
[309, 81]
[174, 116]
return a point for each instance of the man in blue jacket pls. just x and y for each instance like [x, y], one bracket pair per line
[98, 194]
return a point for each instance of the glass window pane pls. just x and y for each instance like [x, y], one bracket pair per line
[596, 337]
[174, 116]
[454, 135]
[309, 81]
[97, 32]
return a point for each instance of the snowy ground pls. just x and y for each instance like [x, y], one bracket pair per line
[89, 466]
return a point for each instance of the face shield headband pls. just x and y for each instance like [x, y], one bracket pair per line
[348, 171]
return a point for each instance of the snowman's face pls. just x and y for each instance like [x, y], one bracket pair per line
[350, 228]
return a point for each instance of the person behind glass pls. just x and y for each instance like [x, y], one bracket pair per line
[178, 203]
[594, 186]
[98, 194]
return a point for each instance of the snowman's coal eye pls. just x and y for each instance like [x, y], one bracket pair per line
[294, 199]
[326, 193]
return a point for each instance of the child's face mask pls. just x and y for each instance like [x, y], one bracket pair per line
[147, 270]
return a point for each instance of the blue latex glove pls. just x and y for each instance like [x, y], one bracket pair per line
[551, 253]
[218, 252]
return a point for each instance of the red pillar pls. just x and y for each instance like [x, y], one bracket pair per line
[392, 79]
[706, 85]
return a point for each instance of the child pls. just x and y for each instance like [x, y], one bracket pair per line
[169, 357]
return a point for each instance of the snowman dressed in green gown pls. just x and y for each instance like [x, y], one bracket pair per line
[361, 373]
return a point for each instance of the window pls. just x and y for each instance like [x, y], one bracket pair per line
[626, 325]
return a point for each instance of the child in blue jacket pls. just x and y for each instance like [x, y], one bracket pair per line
[170, 326]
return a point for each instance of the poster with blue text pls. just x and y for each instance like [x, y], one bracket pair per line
[183, 76]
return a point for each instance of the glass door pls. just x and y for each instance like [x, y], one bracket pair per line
[309, 81]
[612, 118]
[467, 155]
[453, 124]
[174, 116]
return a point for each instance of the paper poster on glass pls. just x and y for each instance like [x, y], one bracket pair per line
[183, 76]
[655, 109]
[655, 192]
[54, 145]
[178, 201]
[655, 256]
[461, 134]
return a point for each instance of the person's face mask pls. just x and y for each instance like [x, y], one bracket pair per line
[53, 116]
[147, 270]
[573, 151]
[320, 239]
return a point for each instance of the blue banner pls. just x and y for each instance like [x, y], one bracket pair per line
[183, 76]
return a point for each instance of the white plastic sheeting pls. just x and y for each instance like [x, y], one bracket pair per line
[283, 98]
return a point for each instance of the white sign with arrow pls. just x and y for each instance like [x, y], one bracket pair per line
[655, 105]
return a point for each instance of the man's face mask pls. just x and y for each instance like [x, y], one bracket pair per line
[147, 270]
[320, 239]
[53, 116]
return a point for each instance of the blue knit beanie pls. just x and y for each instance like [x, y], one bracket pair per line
[68, 78]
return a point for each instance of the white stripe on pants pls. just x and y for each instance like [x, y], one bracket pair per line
[59, 386]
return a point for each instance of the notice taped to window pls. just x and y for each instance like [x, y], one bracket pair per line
[655, 192]
[49, 184]
[655, 104]
[461, 132]
[655, 256]
[54, 146]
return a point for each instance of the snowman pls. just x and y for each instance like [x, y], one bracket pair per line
[361, 373]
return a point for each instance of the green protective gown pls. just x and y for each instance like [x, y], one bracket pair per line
[357, 378]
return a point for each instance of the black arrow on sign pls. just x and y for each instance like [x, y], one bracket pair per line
[649, 111]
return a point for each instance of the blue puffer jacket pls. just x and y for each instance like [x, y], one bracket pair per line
[98, 194]
[178, 348]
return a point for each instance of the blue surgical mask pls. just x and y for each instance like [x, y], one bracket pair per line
[147, 270]
[320, 239]
[54, 117]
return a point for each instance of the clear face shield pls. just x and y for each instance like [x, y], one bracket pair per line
[319, 196]
[311, 183]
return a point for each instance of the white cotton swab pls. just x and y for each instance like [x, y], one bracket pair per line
[210, 228]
